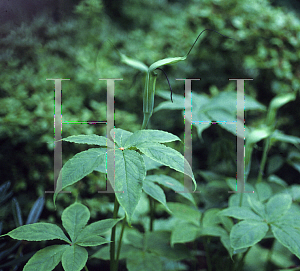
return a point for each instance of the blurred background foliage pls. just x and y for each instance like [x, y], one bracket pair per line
[70, 41]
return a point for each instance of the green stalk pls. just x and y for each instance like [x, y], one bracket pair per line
[241, 260]
[152, 209]
[113, 237]
[85, 268]
[269, 256]
[148, 98]
[264, 159]
[208, 259]
[120, 241]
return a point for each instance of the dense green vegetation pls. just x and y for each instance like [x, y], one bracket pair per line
[266, 48]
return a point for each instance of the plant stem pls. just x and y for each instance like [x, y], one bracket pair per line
[208, 260]
[86, 269]
[269, 256]
[263, 160]
[113, 237]
[152, 208]
[241, 261]
[120, 242]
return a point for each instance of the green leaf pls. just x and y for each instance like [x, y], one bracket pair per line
[74, 218]
[225, 240]
[227, 222]
[254, 136]
[79, 166]
[166, 61]
[263, 190]
[291, 217]
[150, 164]
[126, 250]
[38, 232]
[167, 156]
[212, 231]
[129, 176]
[178, 101]
[256, 205]
[185, 212]
[154, 191]
[74, 258]
[91, 241]
[276, 103]
[158, 242]
[96, 228]
[134, 238]
[275, 179]
[240, 213]
[171, 183]
[277, 206]
[210, 217]
[46, 259]
[279, 136]
[141, 260]
[133, 63]
[89, 139]
[295, 192]
[247, 233]
[120, 136]
[184, 232]
[149, 136]
[287, 236]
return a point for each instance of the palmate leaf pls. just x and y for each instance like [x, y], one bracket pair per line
[129, 166]
[73, 255]
[120, 136]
